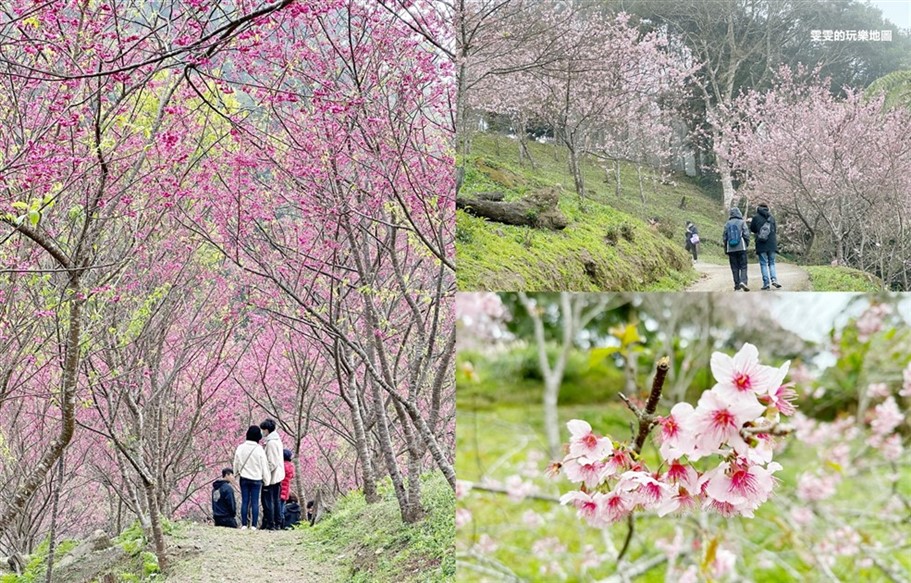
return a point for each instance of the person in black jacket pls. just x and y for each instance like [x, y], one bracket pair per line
[691, 239]
[292, 512]
[224, 506]
[766, 244]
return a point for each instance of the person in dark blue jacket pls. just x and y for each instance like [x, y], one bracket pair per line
[292, 512]
[224, 506]
[766, 244]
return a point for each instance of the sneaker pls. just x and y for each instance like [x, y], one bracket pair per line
[765, 288]
[776, 284]
[243, 528]
[744, 287]
[252, 528]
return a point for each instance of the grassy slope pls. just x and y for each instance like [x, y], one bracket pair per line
[492, 256]
[495, 256]
[825, 278]
[373, 544]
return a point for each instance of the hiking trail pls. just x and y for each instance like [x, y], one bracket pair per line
[717, 277]
[208, 554]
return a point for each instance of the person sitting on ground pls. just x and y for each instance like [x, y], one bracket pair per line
[310, 505]
[292, 514]
[224, 506]
[286, 482]
[736, 239]
[691, 239]
[765, 228]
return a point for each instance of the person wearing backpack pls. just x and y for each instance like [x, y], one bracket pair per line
[691, 239]
[766, 229]
[736, 239]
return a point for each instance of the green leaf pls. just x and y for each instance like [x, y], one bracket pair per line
[20, 205]
[33, 217]
[596, 355]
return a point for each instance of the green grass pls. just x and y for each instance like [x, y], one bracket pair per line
[608, 233]
[36, 569]
[373, 544]
[826, 278]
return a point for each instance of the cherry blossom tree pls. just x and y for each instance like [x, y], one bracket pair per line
[197, 214]
[604, 87]
[839, 166]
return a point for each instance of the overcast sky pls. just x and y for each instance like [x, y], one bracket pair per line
[898, 11]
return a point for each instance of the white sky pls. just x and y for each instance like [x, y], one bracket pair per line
[898, 11]
[811, 315]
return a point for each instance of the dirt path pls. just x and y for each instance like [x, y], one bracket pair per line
[718, 277]
[222, 555]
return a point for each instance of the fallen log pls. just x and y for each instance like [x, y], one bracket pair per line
[538, 209]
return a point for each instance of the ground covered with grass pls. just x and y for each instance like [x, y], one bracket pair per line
[826, 278]
[370, 542]
[611, 242]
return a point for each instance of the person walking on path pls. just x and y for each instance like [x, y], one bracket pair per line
[736, 239]
[251, 465]
[272, 518]
[765, 228]
[692, 239]
[224, 506]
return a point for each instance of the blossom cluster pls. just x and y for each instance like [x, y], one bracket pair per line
[732, 424]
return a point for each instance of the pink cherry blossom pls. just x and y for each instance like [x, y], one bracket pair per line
[741, 484]
[585, 470]
[583, 442]
[718, 421]
[886, 417]
[676, 432]
[743, 375]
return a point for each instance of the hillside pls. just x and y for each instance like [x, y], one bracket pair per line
[612, 243]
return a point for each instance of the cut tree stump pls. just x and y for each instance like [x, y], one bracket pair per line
[538, 209]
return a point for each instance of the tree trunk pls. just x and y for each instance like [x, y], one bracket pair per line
[157, 533]
[535, 210]
[576, 171]
[551, 416]
[385, 443]
[522, 134]
[617, 178]
[727, 185]
[363, 453]
[52, 536]
[415, 451]
[68, 413]
[639, 176]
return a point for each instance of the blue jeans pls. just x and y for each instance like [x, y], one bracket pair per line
[767, 267]
[249, 494]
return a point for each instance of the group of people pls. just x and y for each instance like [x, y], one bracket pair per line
[265, 472]
[736, 241]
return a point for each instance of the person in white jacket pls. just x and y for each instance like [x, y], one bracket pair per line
[272, 517]
[251, 465]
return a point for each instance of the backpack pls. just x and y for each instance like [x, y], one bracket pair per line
[733, 233]
[765, 231]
